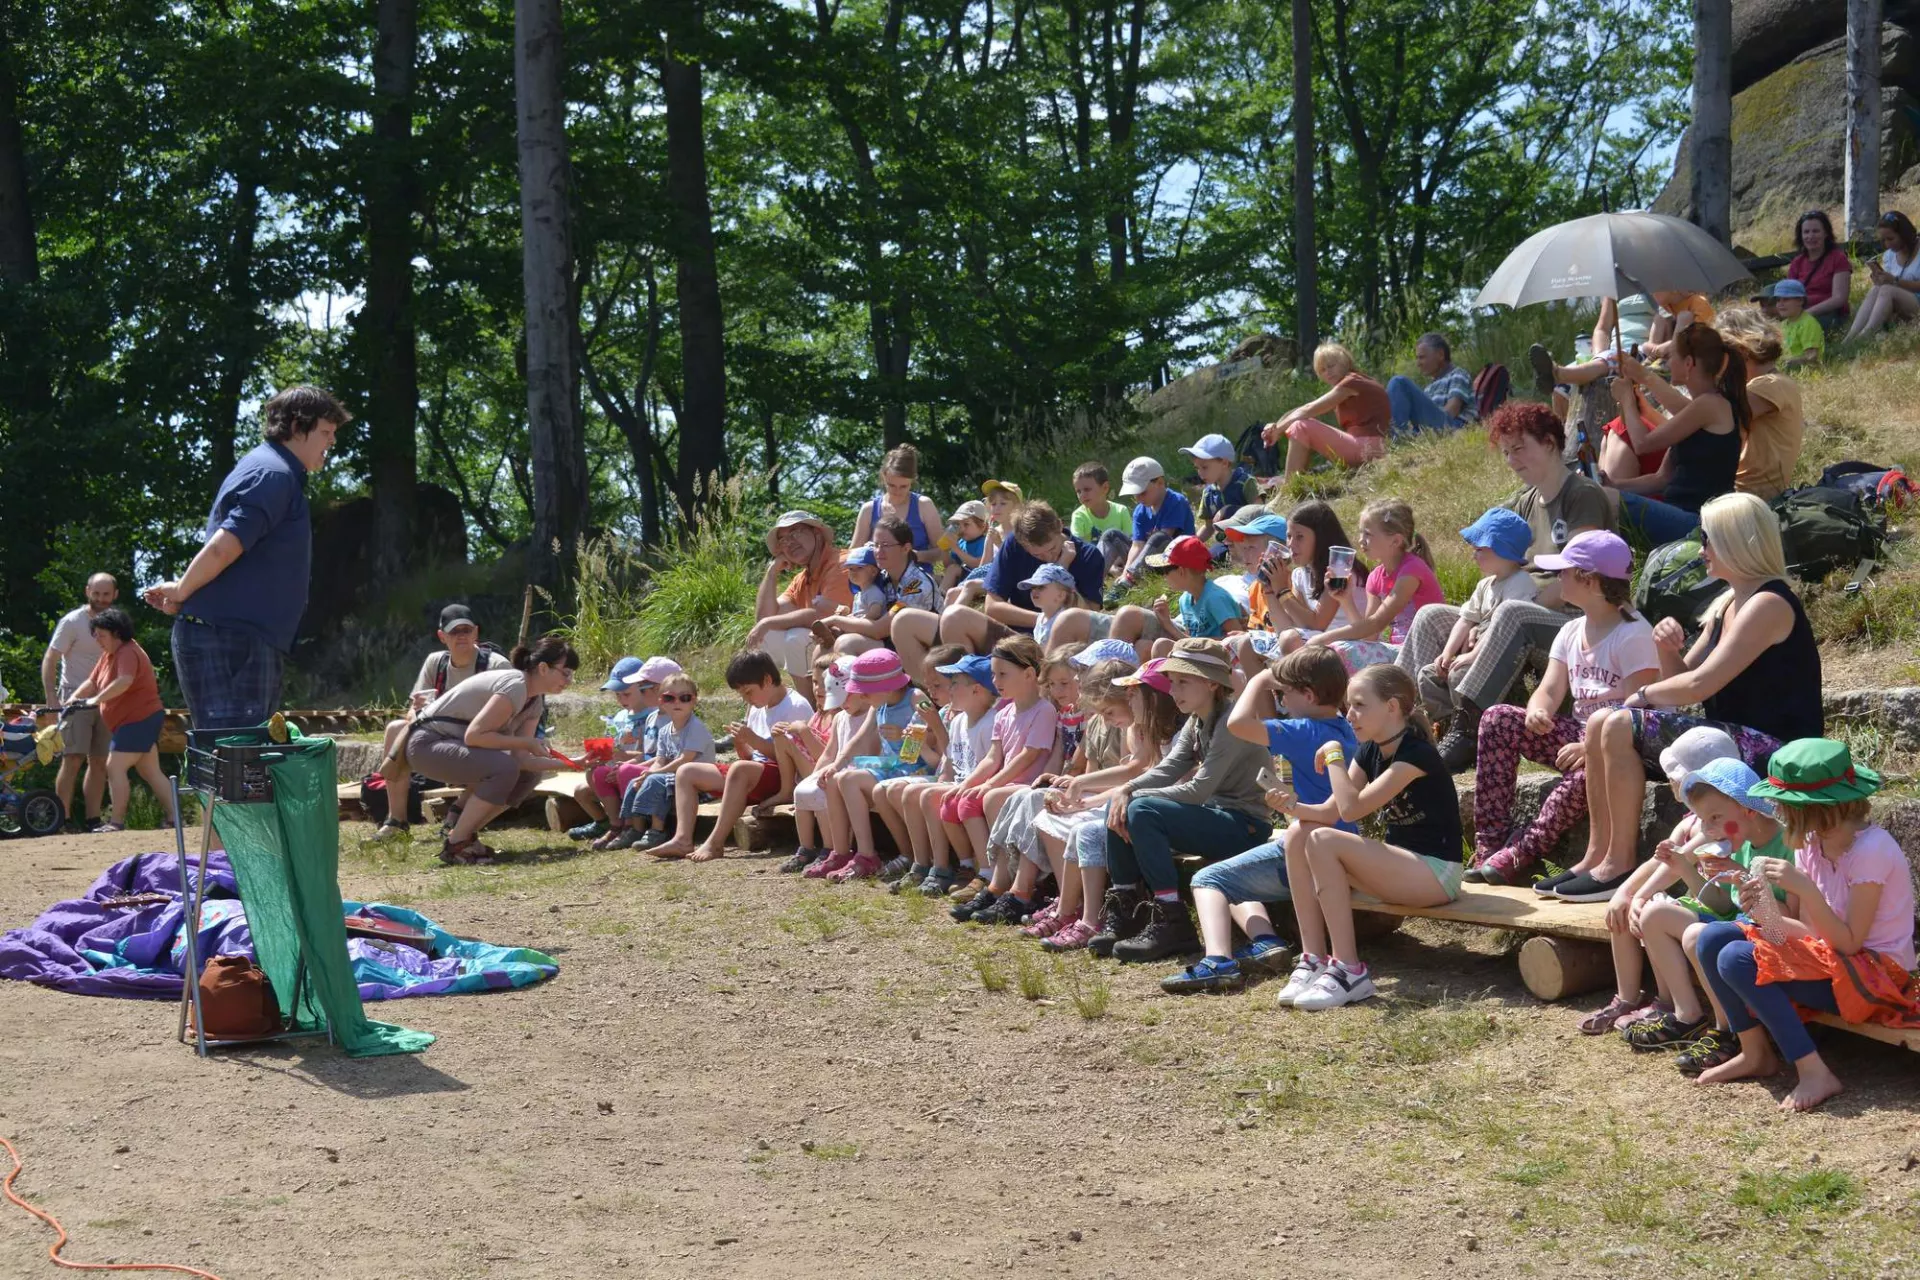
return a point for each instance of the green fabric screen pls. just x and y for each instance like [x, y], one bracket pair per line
[286, 857]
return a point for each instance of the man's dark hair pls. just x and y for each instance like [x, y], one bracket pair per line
[751, 668]
[298, 410]
[1438, 342]
[1035, 523]
[114, 622]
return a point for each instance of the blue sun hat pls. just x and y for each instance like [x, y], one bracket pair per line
[1503, 532]
[1108, 650]
[1734, 780]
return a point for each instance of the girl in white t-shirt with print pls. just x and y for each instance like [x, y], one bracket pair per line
[1600, 657]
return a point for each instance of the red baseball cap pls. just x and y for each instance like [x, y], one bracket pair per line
[1186, 552]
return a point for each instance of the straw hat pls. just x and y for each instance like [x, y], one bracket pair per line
[792, 519]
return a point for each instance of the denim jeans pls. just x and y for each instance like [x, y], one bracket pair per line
[1258, 875]
[1414, 409]
[1726, 957]
[1158, 828]
[1658, 522]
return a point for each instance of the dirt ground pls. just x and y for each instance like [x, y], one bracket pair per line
[736, 1074]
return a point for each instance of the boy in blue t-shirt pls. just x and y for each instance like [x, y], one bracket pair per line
[1207, 609]
[1310, 686]
[1157, 507]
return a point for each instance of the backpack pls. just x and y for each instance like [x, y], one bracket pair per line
[1880, 488]
[1673, 583]
[1823, 529]
[482, 661]
[1264, 459]
[1491, 387]
[374, 798]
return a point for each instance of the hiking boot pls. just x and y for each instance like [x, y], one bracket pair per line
[1462, 741]
[1168, 932]
[1122, 914]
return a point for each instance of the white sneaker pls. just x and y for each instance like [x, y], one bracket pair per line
[1333, 987]
[1304, 972]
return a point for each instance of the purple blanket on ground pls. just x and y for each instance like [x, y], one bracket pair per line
[90, 947]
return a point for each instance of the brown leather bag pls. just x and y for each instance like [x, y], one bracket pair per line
[236, 1000]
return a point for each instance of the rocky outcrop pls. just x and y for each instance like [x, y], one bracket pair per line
[1893, 713]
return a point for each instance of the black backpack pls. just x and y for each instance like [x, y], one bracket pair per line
[1879, 488]
[1262, 458]
[375, 800]
[482, 661]
[1824, 528]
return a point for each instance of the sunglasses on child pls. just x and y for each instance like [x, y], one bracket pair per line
[678, 697]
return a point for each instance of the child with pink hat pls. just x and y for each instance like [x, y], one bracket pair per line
[877, 695]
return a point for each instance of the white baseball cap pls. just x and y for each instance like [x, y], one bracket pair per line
[1215, 446]
[1140, 473]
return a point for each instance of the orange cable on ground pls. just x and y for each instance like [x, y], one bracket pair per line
[53, 1250]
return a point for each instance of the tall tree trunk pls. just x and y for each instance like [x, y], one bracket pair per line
[239, 321]
[385, 330]
[557, 446]
[19, 245]
[703, 372]
[1306, 263]
[1863, 118]
[1713, 117]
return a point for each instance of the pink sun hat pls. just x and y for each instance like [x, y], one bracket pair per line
[876, 671]
[1150, 675]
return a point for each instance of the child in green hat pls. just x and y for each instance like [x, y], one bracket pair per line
[1849, 925]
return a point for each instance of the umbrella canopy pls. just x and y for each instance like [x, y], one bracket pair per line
[1612, 255]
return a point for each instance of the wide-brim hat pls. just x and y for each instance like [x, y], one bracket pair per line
[1197, 656]
[1816, 771]
[791, 519]
[877, 671]
[1153, 675]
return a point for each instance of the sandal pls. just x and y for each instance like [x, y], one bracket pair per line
[1711, 1050]
[1045, 922]
[468, 853]
[1665, 1031]
[1601, 1020]
[1072, 936]
[864, 866]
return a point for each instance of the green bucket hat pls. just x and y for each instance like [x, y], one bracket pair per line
[1816, 771]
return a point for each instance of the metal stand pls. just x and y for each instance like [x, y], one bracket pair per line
[193, 896]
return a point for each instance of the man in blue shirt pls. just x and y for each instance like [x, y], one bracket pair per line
[238, 605]
[1446, 403]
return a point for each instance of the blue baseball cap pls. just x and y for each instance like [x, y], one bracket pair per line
[1502, 532]
[1255, 522]
[975, 667]
[1787, 289]
[862, 555]
[617, 678]
[1049, 575]
[1108, 650]
[1732, 778]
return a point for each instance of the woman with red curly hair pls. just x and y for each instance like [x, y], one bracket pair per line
[1556, 502]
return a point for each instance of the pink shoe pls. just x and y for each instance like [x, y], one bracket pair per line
[1072, 936]
[832, 862]
[864, 866]
[1046, 921]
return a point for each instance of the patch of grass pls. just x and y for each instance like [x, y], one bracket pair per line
[1425, 1036]
[987, 968]
[1785, 1195]
[822, 917]
[1533, 1173]
[676, 891]
[832, 1150]
[1087, 986]
[1031, 976]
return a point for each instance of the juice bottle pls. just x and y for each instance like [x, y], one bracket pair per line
[911, 740]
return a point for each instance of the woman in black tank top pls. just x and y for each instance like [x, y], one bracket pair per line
[1702, 437]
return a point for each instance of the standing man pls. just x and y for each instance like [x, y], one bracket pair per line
[1446, 403]
[68, 661]
[238, 605]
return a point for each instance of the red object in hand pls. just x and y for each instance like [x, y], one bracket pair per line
[599, 750]
[568, 760]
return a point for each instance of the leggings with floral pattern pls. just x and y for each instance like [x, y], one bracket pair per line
[1504, 741]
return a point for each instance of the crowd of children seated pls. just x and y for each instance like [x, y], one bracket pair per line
[1259, 716]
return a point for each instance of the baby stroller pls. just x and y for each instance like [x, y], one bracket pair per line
[36, 812]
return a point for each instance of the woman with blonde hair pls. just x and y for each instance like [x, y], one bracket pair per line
[1755, 669]
[897, 499]
[1772, 449]
[1359, 405]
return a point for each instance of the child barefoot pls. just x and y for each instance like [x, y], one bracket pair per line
[1397, 587]
[1398, 773]
[1847, 928]
[683, 740]
[1025, 737]
[1310, 687]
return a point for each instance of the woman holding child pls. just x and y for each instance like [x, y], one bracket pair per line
[904, 583]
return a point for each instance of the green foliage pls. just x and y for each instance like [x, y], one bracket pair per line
[1784, 1195]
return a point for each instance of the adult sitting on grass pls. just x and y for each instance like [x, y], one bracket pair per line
[897, 500]
[1755, 669]
[1822, 269]
[904, 583]
[783, 619]
[1038, 538]
[1772, 449]
[1896, 279]
[1556, 503]
[122, 686]
[482, 736]
[1445, 403]
[1702, 436]
[1359, 405]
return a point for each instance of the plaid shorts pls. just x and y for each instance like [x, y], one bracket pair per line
[230, 678]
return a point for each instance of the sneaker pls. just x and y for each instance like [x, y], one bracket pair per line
[1212, 973]
[588, 830]
[387, 831]
[1332, 987]
[109, 828]
[1168, 932]
[1545, 887]
[865, 866]
[608, 836]
[895, 868]
[938, 884]
[965, 889]
[800, 860]
[651, 840]
[914, 878]
[1709, 1049]
[1267, 955]
[1071, 936]
[1305, 970]
[827, 866]
[1665, 1031]
[1504, 867]
[1006, 909]
[973, 906]
[1586, 888]
[1045, 922]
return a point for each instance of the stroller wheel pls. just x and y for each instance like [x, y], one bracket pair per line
[40, 813]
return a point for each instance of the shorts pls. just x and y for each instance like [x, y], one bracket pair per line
[85, 734]
[137, 737]
[1356, 654]
[1099, 625]
[960, 806]
[1448, 871]
[885, 767]
[766, 788]
[1654, 730]
[1258, 875]
[977, 575]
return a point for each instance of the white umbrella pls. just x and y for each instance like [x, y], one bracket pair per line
[1612, 255]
